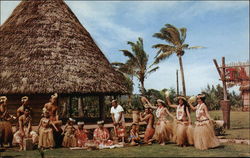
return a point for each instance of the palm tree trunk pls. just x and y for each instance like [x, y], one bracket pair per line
[142, 86]
[182, 76]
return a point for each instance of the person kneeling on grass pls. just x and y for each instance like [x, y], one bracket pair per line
[101, 135]
[81, 134]
[69, 139]
[150, 130]
[134, 138]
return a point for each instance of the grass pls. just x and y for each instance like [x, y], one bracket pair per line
[155, 150]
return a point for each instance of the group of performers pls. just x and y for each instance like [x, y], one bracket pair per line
[180, 130]
[50, 133]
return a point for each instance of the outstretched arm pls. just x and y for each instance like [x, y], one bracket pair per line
[170, 104]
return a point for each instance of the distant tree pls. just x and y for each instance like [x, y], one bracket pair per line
[175, 38]
[137, 62]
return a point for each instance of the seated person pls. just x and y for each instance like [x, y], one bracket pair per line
[120, 131]
[134, 138]
[69, 139]
[101, 135]
[81, 134]
[24, 131]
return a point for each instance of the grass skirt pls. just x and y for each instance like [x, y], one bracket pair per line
[163, 131]
[69, 140]
[204, 136]
[46, 139]
[6, 134]
[184, 133]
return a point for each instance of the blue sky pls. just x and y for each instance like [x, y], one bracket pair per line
[221, 26]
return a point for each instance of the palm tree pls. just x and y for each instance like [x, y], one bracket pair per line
[175, 38]
[137, 63]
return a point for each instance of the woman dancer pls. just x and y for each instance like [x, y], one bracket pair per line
[204, 135]
[183, 131]
[163, 129]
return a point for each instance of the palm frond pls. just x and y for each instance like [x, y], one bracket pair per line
[183, 34]
[196, 47]
[162, 57]
[152, 70]
[128, 54]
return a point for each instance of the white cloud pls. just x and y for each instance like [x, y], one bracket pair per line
[202, 7]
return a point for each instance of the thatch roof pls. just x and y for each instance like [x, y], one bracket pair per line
[45, 49]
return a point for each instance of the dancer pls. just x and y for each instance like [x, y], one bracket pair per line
[101, 135]
[150, 130]
[69, 139]
[183, 130]
[52, 108]
[134, 138]
[163, 129]
[204, 135]
[5, 125]
[46, 139]
[81, 134]
[25, 129]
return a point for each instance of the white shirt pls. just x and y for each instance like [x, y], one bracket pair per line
[116, 112]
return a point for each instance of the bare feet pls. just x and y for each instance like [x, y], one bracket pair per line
[162, 143]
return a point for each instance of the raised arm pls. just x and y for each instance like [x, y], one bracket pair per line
[169, 103]
[144, 100]
[191, 106]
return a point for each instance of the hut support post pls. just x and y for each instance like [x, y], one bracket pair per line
[80, 106]
[101, 107]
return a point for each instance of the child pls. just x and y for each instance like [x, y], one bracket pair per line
[46, 139]
[69, 139]
[120, 130]
[134, 138]
[81, 135]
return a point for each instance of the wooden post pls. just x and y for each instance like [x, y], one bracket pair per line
[101, 107]
[177, 83]
[225, 104]
[80, 106]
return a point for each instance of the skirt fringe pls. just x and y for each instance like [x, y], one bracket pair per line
[163, 131]
[204, 136]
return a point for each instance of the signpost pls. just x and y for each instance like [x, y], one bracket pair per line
[232, 74]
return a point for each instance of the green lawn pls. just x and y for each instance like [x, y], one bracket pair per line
[170, 150]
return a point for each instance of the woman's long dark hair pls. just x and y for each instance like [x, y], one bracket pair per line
[186, 105]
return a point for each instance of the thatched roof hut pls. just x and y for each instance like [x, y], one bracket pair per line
[45, 49]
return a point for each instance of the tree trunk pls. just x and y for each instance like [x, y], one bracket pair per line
[80, 107]
[142, 87]
[182, 76]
